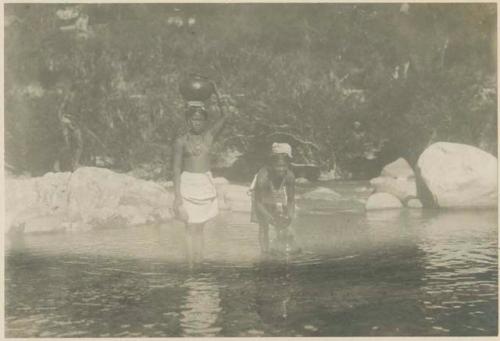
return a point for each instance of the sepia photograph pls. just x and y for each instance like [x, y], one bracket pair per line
[250, 170]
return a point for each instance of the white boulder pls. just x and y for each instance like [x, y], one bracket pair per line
[167, 184]
[378, 201]
[398, 179]
[221, 181]
[42, 224]
[403, 189]
[88, 198]
[322, 193]
[414, 203]
[235, 198]
[21, 198]
[302, 181]
[459, 175]
[398, 169]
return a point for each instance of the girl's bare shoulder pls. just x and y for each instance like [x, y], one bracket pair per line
[262, 176]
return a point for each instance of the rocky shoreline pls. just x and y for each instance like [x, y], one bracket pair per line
[456, 176]
[93, 198]
[447, 175]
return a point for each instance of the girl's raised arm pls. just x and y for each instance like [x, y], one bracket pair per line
[216, 128]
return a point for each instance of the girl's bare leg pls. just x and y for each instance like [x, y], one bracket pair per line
[280, 238]
[189, 244]
[198, 242]
[201, 241]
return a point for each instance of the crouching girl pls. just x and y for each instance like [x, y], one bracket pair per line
[273, 201]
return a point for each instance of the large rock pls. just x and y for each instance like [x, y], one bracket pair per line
[322, 193]
[403, 189]
[88, 198]
[398, 179]
[28, 198]
[220, 181]
[414, 203]
[378, 201]
[234, 197]
[21, 198]
[398, 169]
[101, 197]
[302, 181]
[221, 184]
[39, 223]
[459, 175]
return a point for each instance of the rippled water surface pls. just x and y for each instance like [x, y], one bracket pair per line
[408, 272]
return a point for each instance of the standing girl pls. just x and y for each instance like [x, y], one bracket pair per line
[195, 196]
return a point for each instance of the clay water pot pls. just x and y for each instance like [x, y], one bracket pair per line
[196, 88]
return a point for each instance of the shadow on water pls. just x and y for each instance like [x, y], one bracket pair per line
[408, 272]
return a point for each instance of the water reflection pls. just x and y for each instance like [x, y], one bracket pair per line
[460, 272]
[274, 292]
[201, 306]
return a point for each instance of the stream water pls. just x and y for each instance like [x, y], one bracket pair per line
[404, 272]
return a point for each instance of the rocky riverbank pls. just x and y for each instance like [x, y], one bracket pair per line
[447, 175]
[91, 198]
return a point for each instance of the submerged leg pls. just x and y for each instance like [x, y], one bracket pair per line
[198, 242]
[189, 244]
[281, 238]
[291, 244]
[264, 238]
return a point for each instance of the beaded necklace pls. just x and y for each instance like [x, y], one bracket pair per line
[196, 145]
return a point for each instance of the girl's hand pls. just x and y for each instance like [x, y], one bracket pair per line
[287, 220]
[283, 221]
[271, 220]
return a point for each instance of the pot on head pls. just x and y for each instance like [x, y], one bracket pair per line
[196, 88]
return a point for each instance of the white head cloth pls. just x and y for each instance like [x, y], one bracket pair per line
[282, 148]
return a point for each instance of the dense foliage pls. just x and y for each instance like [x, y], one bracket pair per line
[351, 86]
